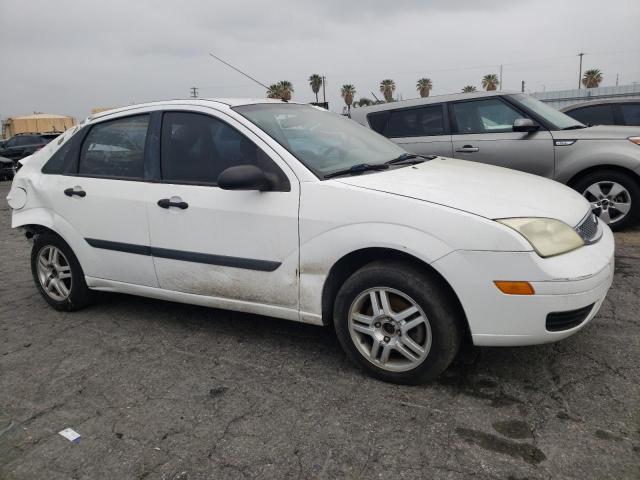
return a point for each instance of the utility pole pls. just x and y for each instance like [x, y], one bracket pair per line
[522, 86]
[580, 72]
[500, 83]
[617, 78]
[194, 92]
[324, 92]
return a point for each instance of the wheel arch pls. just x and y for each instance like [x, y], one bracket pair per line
[349, 263]
[597, 168]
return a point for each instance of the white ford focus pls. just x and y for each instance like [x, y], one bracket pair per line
[286, 210]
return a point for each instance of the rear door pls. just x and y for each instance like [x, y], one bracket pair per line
[101, 200]
[423, 130]
[483, 132]
[235, 245]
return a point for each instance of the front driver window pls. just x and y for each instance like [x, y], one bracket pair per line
[196, 148]
[485, 116]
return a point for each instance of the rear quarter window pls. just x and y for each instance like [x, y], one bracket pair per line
[65, 155]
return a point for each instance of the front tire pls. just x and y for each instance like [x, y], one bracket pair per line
[57, 273]
[614, 197]
[397, 323]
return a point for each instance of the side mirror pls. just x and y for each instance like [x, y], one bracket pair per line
[525, 125]
[244, 177]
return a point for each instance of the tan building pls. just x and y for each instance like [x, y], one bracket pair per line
[36, 123]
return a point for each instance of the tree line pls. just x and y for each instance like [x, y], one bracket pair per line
[284, 89]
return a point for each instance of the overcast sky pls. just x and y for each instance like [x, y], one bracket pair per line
[67, 57]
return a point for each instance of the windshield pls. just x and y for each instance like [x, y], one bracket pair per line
[558, 120]
[323, 141]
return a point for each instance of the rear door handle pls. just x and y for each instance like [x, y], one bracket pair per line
[70, 192]
[468, 149]
[166, 203]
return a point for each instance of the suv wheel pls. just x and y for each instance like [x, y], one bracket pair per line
[57, 273]
[614, 197]
[397, 323]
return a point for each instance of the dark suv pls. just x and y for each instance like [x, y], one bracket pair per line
[24, 144]
[606, 112]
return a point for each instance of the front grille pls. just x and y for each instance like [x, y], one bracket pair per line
[588, 229]
[559, 321]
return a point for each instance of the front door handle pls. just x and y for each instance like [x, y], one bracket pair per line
[166, 203]
[468, 149]
[70, 192]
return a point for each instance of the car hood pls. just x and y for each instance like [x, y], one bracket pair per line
[485, 190]
[598, 132]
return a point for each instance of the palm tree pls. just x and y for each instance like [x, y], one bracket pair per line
[315, 81]
[348, 91]
[424, 86]
[468, 89]
[363, 102]
[592, 78]
[286, 89]
[274, 91]
[387, 87]
[490, 82]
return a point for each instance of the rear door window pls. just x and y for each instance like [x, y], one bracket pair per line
[485, 116]
[630, 113]
[416, 122]
[115, 148]
[594, 115]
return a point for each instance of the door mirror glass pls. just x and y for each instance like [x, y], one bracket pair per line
[525, 125]
[244, 177]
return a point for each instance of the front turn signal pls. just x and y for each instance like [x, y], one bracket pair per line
[515, 288]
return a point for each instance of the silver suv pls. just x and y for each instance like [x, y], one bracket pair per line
[517, 131]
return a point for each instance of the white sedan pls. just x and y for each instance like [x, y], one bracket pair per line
[286, 210]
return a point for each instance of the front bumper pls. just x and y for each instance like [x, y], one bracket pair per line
[567, 282]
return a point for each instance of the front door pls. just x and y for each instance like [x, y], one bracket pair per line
[483, 132]
[238, 245]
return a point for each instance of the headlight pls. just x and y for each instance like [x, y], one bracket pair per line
[635, 140]
[547, 236]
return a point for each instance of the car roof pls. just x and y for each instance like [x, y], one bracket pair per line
[219, 102]
[600, 102]
[426, 101]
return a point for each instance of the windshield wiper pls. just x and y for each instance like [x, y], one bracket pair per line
[359, 168]
[410, 158]
[574, 127]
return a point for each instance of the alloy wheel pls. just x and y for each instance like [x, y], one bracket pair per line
[389, 329]
[609, 200]
[54, 273]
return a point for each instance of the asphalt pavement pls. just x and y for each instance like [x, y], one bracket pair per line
[171, 391]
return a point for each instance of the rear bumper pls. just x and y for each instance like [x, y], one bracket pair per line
[564, 283]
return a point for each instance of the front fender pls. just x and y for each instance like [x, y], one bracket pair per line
[320, 253]
[587, 154]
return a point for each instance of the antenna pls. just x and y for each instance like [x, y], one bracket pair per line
[239, 71]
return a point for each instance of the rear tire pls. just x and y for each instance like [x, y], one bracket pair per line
[57, 273]
[397, 323]
[614, 196]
